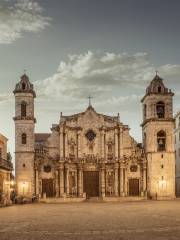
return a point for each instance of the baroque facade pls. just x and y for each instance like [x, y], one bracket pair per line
[93, 155]
[5, 171]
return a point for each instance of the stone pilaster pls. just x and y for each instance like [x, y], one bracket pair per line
[61, 180]
[125, 182]
[61, 142]
[121, 180]
[116, 168]
[144, 180]
[66, 145]
[80, 181]
[102, 178]
[79, 144]
[102, 144]
[121, 143]
[116, 144]
[76, 182]
[37, 181]
[105, 147]
[67, 180]
[57, 183]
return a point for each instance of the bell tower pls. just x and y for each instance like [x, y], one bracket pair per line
[158, 139]
[24, 136]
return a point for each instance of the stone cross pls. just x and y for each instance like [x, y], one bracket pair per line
[90, 100]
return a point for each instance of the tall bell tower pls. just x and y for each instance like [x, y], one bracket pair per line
[24, 136]
[158, 128]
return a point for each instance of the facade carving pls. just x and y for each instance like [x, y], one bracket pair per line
[93, 155]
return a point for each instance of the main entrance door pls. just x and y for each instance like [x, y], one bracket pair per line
[134, 187]
[91, 183]
[47, 187]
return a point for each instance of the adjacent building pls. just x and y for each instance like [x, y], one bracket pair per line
[5, 171]
[177, 152]
[90, 154]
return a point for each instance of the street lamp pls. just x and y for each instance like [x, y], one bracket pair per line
[162, 184]
[23, 187]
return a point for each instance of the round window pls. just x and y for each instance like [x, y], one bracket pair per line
[90, 135]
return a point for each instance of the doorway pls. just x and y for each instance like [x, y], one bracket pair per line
[91, 183]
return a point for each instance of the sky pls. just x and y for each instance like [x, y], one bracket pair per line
[70, 49]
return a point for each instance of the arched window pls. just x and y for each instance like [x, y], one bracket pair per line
[24, 138]
[160, 110]
[23, 109]
[159, 89]
[161, 141]
[23, 86]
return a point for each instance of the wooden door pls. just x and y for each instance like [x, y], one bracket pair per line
[133, 187]
[91, 183]
[48, 187]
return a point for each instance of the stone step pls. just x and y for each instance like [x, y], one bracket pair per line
[94, 199]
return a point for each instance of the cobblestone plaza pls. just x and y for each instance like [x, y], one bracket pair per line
[143, 220]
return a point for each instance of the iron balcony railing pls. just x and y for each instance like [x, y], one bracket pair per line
[6, 164]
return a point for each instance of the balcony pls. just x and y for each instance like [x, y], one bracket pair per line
[5, 164]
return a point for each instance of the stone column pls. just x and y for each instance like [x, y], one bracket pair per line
[105, 150]
[121, 181]
[102, 177]
[144, 180]
[80, 181]
[57, 183]
[8, 186]
[61, 180]
[102, 144]
[76, 182]
[116, 143]
[79, 145]
[116, 180]
[125, 182]
[61, 143]
[37, 182]
[66, 145]
[67, 181]
[121, 143]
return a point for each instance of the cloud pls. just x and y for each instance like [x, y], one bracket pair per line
[6, 97]
[102, 75]
[19, 17]
[116, 81]
[95, 74]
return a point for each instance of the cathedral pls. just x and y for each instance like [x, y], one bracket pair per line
[90, 154]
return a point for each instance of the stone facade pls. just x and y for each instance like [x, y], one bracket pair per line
[5, 172]
[93, 155]
[177, 152]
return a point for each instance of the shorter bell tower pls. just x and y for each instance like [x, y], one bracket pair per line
[24, 136]
[158, 139]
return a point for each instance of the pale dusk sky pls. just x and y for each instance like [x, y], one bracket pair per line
[109, 49]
